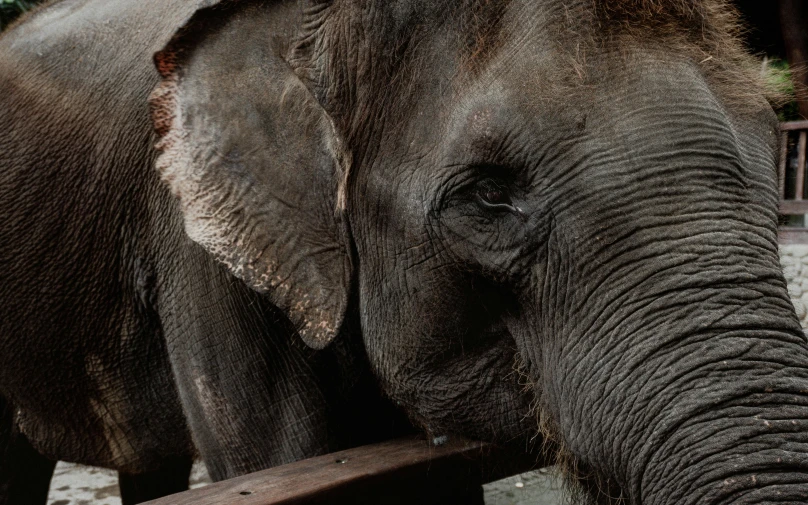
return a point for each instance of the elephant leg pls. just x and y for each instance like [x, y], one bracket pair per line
[28, 474]
[171, 478]
[25, 474]
[249, 391]
[475, 496]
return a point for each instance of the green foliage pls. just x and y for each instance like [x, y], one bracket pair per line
[779, 76]
[10, 9]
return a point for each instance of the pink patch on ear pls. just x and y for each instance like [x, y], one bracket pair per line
[162, 106]
[166, 62]
[163, 99]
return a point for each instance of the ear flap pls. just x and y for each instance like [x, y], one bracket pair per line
[255, 160]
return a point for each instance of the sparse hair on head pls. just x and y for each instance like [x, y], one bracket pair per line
[710, 31]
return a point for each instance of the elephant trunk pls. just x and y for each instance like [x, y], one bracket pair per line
[716, 414]
[683, 377]
[731, 428]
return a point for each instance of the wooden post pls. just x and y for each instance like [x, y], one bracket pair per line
[796, 205]
[781, 169]
[793, 20]
[801, 165]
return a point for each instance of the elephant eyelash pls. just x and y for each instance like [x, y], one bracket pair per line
[489, 186]
[492, 195]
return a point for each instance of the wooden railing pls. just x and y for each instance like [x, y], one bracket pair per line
[406, 471]
[791, 174]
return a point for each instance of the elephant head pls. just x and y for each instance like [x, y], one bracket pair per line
[556, 221]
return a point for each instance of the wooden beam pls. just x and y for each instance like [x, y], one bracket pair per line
[793, 207]
[791, 236]
[399, 472]
[794, 125]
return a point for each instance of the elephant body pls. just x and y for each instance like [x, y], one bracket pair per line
[104, 287]
[87, 327]
[547, 224]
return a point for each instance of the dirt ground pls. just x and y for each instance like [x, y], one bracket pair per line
[81, 485]
[85, 485]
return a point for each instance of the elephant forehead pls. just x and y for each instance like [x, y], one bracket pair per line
[568, 43]
[488, 19]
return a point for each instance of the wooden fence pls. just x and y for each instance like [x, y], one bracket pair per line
[406, 471]
[791, 174]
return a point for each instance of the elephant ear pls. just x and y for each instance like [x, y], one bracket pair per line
[254, 159]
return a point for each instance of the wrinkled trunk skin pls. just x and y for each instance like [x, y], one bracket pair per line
[726, 423]
[739, 434]
[673, 369]
[691, 385]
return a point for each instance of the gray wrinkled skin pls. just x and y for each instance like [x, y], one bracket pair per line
[540, 223]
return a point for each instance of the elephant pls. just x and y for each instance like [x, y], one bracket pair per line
[256, 231]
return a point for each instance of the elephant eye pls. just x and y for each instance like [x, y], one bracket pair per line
[494, 197]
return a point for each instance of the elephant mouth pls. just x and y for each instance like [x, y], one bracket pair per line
[491, 334]
[488, 317]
